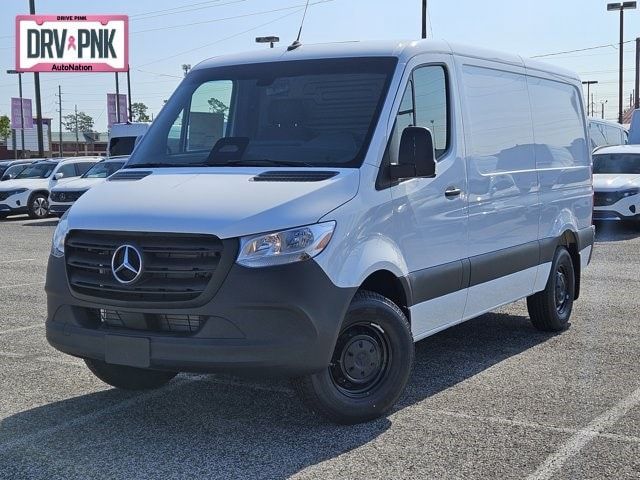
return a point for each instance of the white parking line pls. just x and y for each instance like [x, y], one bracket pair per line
[91, 417]
[19, 260]
[2, 287]
[21, 329]
[582, 437]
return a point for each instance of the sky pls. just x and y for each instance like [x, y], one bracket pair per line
[166, 34]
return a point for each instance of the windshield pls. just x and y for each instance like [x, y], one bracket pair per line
[617, 163]
[12, 171]
[103, 170]
[301, 113]
[121, 146]
[39, 170]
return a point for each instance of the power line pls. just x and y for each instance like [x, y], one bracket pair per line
[579, 50]
[146, 16]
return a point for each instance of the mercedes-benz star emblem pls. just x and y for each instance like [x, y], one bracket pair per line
[126, 264]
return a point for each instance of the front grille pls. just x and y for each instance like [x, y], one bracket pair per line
[175, 267]
[4, 195]
[67, 197]
[131, 175]
[294, 176]
[605, 215]
[151, 322]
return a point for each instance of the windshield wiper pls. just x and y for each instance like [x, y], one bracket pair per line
[259, 162]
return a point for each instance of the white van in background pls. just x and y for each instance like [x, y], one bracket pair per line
[123, 136]
[338, 204]
[603, 133]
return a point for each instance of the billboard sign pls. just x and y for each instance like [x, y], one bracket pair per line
[17, 114]
[72, 43]
[112, 114]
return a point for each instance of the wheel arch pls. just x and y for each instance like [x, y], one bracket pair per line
[397, 289]
[569, 240]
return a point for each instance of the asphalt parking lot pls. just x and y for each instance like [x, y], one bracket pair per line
[491, 398]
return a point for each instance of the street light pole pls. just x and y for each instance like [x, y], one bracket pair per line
[637, 105]
[424, 18]
[621, 7]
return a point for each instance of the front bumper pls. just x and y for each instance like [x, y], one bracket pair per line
[15, 204]
[280, 320]
[58, 209]
[626, 208]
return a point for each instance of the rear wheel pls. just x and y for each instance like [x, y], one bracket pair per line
[370, 366]
[39, 206]
[128, 378]
[551, 308]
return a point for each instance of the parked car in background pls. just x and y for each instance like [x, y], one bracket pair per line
[72, 168]
[28, 192]
[123, 137]
[336, 214]
[616, 183]
[604, 133]
[9, 171]
[5, 164]
[62, 197]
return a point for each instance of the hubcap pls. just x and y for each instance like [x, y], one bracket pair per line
[561, 291]
[40, 206]
[360, 360]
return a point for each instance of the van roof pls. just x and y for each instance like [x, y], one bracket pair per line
[403, 50]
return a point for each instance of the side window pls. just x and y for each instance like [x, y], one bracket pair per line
[430, 94]
[68, 170]
[597, 137]
[424, 104]
[173, 138]
[83, 167]
[210, 106]
[558, 124]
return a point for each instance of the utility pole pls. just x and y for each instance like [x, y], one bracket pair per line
[424, 18]
[60, 119]
[186, 67]
[117, 99]
[637, 104]
[77, 138]
[15, 72]
[36, 81]
[588, 83]
[602, 103]
[592, 105]
[129, 93]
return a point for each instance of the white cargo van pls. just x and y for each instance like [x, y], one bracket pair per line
[314, 212]
[123, 137]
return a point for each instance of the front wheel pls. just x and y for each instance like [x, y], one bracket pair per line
[39, 206]
[370, 366]
[551, 308]
[128, 378]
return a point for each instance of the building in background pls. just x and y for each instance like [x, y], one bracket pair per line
[89, 143]
[8, 151]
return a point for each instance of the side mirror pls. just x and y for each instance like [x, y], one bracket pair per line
[58, 176]
[417, 156]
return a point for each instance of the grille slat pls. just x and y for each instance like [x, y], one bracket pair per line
[175, 267]
[160, 322]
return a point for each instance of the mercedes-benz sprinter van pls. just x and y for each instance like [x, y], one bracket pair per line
[313, 212]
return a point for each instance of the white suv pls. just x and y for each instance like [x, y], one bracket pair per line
[616, 183]
[28, 192]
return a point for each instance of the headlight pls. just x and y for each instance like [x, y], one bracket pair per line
[287, 246]
[9, 193]
[629, 192]
[59, 236]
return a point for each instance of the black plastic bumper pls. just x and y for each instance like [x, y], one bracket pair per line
[58, 210]
[281, 320]
[8, 210]
[603, 215]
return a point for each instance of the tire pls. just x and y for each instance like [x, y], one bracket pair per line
[551, 308]
[39, 206]
[370, 366]
[128, 378]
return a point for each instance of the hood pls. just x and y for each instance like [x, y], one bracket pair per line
[78, 184]
[29, 183]
[226, 202]
[608, 182]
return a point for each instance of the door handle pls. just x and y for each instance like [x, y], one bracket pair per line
[452, 192]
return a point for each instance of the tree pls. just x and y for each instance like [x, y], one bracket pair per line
[139, 111]
[83, 122]
[216, 106]
[5, 128]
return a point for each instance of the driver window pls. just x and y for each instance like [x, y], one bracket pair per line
[208, 115]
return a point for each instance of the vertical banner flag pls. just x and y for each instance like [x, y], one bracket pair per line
[112, 114]
[16, 114]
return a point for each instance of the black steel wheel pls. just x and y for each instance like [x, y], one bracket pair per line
[370, 366]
